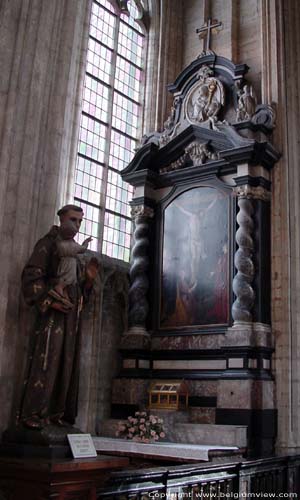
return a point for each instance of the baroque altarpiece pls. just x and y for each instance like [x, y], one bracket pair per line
[200, 272]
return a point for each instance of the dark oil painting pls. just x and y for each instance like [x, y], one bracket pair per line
[195, 261]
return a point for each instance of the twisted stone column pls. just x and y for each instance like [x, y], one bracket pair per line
[138, 302]
[242, 282]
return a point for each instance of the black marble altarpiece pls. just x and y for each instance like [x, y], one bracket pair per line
[199, 299]
[199, 172]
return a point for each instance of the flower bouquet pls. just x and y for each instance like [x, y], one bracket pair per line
[142, 427]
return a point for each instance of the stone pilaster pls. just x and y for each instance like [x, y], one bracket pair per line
[164, 60]
[283, 88]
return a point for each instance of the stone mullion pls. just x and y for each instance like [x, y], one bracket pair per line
[242, 282]
[108, 133]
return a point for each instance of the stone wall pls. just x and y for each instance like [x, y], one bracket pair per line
[41, 64]
[286, 223]
[104, 321]
[238, 40]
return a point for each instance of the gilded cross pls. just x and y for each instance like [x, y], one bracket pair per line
[209, 27]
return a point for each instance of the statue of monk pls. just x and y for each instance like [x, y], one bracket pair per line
[51, 387]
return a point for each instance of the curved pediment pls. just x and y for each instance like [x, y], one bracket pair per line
[217, 150]
[214, 124]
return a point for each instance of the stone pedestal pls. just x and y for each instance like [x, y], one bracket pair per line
[48, 442]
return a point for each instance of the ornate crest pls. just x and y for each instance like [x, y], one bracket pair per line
[205, 99]
[200, 153]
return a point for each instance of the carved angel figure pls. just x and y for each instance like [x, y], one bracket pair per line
[246, 103]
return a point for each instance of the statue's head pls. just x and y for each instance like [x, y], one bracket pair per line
[71, 213]
[68, 229]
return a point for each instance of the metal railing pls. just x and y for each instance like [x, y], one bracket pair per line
[273, 477]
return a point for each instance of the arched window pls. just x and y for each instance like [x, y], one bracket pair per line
[110, 123]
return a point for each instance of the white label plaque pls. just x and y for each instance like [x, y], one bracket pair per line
[82, 445]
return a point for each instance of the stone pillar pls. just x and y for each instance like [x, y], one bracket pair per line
[242, 282]
[139, 281]
[41, 63]
[255, 395]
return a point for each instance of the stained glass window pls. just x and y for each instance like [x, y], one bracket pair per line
[110, 125]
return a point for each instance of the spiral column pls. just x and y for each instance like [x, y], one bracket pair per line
[139, 282]
[242, 282]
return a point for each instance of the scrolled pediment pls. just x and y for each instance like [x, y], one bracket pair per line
[212, 126]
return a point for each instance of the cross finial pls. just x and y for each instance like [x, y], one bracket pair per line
[209, 27]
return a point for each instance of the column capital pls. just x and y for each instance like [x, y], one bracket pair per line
[142, 211]
[252, 192]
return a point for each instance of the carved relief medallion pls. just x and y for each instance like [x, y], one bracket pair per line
[205, 99]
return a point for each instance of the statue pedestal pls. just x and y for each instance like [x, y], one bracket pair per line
[49, 443]
[40, 479]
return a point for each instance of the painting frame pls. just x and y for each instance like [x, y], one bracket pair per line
[166, 328]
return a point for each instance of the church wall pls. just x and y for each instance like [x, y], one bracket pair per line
[239, 38]
[43, 49]
[164, 60]
[42, 52]
[286, 229]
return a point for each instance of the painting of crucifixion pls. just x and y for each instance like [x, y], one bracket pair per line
[195, 260]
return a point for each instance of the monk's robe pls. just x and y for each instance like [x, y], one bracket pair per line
[51, 385]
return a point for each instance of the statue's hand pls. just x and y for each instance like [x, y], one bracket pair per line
[58, 306]
[87, 241]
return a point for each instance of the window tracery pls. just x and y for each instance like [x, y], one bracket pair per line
[110, 123]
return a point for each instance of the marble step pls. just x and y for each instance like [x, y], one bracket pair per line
[162, 451]
[209, 434]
